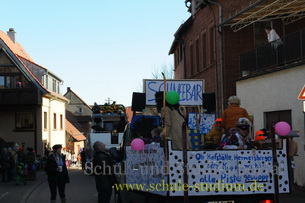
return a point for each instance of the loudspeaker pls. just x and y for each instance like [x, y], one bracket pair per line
[138, 101]
[209, 102]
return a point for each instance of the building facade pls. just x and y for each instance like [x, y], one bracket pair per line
[32, 111]
[225, 43]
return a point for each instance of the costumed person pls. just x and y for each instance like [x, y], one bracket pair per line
[96, 108]
[174, 121]
[212, 139]
[231, 115]
[155, 136]
[104, 172]
[20, 173]
[57, 174]
[241, 139]
[259, 138]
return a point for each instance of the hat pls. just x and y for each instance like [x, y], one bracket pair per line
[259, 132]
[243, 122]
[218, 120]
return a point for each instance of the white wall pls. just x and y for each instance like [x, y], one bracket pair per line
[274, 92]
[54, 136]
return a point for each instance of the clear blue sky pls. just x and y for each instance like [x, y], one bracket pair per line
[100, 48]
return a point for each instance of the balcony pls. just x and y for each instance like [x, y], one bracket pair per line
[19, 96]
[267, 58]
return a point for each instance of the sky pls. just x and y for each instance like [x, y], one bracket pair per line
[100, 48]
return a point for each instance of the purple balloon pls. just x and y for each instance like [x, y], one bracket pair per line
[282, 128]
[137, 144]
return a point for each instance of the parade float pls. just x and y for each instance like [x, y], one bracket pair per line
[161, 174]
[105, 123]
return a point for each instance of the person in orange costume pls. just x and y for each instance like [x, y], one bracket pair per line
[212, 139]
[231, 115]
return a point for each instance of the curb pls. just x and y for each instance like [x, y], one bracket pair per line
[27, 196]
[31, 190]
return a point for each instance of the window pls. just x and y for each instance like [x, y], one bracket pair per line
[25, 120]
[276, 116]
[2, 83]
[181, 50]
[192, 59]
[54, 85]
[211, 45]
[197, 57]
[204, 50]
[54, 121]
[80, 110]
[61, 122]
[58, 88]
[7, 81]
[45, 120]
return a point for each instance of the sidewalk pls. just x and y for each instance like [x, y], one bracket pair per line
[10, 192]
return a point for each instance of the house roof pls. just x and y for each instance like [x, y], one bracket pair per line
[183, 27]
[73, 120]
[70, 90]
[263, 10]
[17, 53]
[71, 130]
[15, 47]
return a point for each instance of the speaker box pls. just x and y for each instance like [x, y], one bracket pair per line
[138, 101]
[209, 102]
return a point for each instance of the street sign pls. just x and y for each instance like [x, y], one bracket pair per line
[304, 106]
[302, 94]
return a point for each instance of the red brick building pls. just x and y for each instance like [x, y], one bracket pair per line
[211, 43]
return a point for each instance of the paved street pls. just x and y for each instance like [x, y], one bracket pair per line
[81, 189]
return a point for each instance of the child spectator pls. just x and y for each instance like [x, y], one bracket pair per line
[20, 173]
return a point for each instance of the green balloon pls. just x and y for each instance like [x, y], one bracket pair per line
[172, 97]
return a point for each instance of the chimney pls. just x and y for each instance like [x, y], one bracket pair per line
[12, 34]
[68, 89]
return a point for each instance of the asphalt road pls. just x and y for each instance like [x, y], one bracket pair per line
[81, 189]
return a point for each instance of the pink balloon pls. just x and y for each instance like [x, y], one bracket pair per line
[282, 128]
[137, 144]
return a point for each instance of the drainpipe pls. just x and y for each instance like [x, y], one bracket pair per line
[215, 57]
[49, 126]
[221, 53]
[35, 130]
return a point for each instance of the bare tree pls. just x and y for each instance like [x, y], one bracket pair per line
[168, 71]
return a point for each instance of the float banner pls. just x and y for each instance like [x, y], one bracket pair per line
[190, 91]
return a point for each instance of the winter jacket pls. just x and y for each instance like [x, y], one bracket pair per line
[51, 169]
[214, 136]
[231, 115]
[173, 123]
[103, 166]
